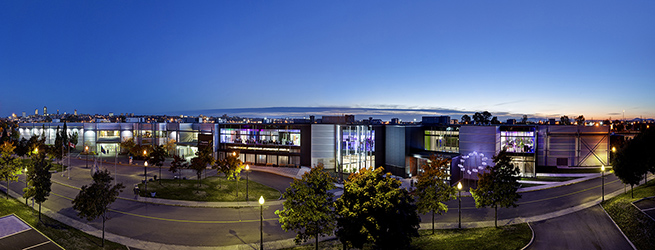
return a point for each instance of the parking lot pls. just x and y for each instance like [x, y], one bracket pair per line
[647, 206]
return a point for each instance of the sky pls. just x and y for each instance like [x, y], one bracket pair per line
[540, 58]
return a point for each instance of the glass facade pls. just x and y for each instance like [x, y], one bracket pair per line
[442, 139]
[356, 147]
[285, 137]
[517, 141]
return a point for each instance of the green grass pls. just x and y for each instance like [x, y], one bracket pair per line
[65, 236]
[507, 237]
[635, 225]
[213, 189]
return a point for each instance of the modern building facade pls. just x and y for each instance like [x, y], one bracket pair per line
[345, 146]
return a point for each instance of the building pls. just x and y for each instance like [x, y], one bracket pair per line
[344, 145]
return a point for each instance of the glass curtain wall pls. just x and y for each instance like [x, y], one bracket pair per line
[442, 139]
[356, 147]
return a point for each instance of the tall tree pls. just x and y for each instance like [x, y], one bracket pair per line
[495, 120]
[157, 158]
[564, 120]
[486, 117]
[93, 201]
[478, 118]
[39, 183]
[635, 158]
[524, 119]
[374, 208]
[432, 188]
[177, 165]
[466, 119]
[308, 206]
[231, 166]
[580, 120]
[498, 186]
[201, 161]
[8, 167]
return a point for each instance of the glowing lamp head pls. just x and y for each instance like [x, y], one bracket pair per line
[144, 152]
[36, 150]
[234, 153]
[25, 170]
[247, 167]
[145, 164]
[459, 185]
[602, 168]
[613, 149]
[261, 200]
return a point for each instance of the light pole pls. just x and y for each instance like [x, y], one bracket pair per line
[459, 209]
[145, 172]
[261, 222]
[247, 180]
[86, 151]
[602, 177]
[25, 185]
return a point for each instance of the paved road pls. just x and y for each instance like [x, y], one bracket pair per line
[229, 226]
[587, 229]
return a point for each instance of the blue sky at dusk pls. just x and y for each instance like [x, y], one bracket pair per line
[544, 59]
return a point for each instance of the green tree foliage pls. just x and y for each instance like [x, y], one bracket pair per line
[308, 206]
[374, 208]
[93, 201]
[477, 118]
[231, 166]
[564, 120]
[157, 158]
[495, 120]
[38, 176]
[177, 165]
[8, 165]
[22, 148]
[635, 158]
[432, 188]
[498, 186]
[201, 161]
[466, 119]
[580, 120]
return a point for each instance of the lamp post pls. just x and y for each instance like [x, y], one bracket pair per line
[86, 151]
[459, 209]
[261, 222]
[247, 180]
[145, 172]
[602, 177]
[25, 185]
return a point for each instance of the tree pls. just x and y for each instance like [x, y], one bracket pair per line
[374, 208]
[635, 158]
[177, 165]
[580, 120]
[466, 119]
[478, 118]
[564, 120]
[157, 158]
[93, 201]
[432, 188]
[495, 120]
[498, 186]
[524, 119]
[486, 117]
[231, 166]
[22, 148]
[170, 146]
[39, 183]
[8, 167]
[308, 206]
[199, 163]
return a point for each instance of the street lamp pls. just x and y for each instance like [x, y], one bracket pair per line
[261, 222]
[86, 152]
[145, 177]
[25, 184]
[459, 209]
[247, 180]
[602, 177]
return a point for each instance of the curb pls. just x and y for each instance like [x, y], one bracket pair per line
[531, 240]
[617, 227]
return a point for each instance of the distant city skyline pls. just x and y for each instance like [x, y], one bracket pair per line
[392, 58]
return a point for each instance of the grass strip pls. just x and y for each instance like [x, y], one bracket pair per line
[215, 188]
[638, 227]
[62, 234]
[506, 237]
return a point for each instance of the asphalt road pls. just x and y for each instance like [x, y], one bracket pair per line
[228, 226]
[587, 229]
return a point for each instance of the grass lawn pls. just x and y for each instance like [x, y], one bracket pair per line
[215, 188]
[65, 236]
[638, 227]
[507, 237]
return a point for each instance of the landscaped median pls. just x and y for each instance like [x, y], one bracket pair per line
[507, 237]
[64, 235]
[215, 188]
[638, 227]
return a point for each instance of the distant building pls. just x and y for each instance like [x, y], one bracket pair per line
[36, 111]
[435, 120]
[75, 113]
[45, 110]
[342, 119]
[24, 115]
